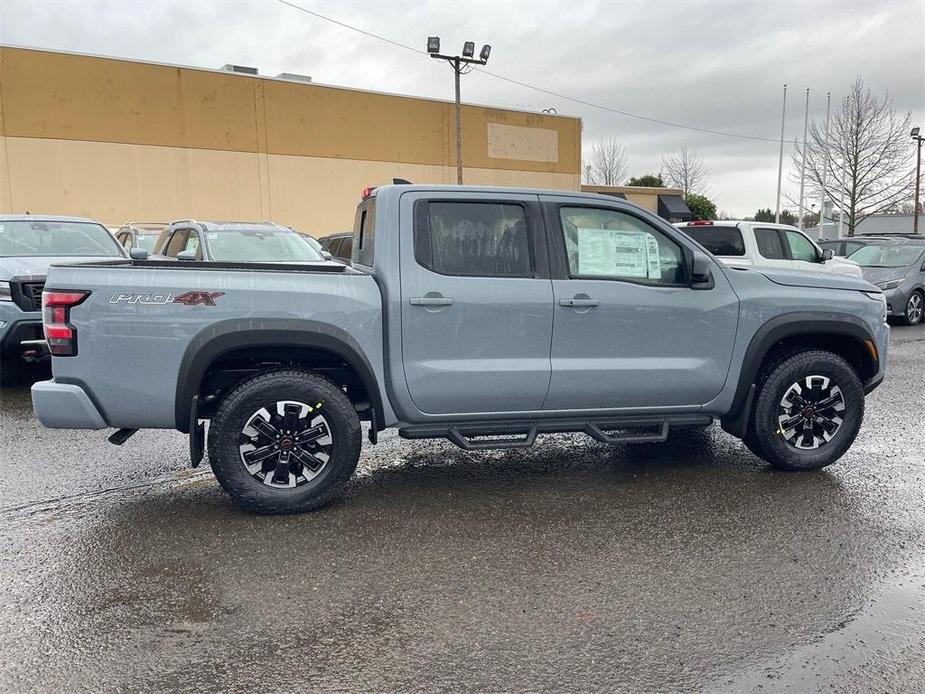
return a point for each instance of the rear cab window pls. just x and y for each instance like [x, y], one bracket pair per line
[364, 229]
[725, 241]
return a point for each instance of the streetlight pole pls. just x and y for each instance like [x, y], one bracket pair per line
[918, 177]
[803, 163]
[780, 157]
[461, 65]
[825, 163]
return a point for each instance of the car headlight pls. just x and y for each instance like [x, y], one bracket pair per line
[878, 296]
[891, 284]
[5, 293]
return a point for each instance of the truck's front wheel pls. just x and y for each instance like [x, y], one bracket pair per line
[284, 442]
[808, 411]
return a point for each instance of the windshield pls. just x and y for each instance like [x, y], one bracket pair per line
[24, 239]
[146, 241]
[260, 246]
[886, 255]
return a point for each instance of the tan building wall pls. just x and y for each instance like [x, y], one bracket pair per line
[119, 140]
[646, 198]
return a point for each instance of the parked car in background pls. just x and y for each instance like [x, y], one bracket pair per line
[29, 244]
[761, 244]
[897, 266]
[340, 246]
[254, 242]
[842, 248]
[314, 243]
[144, 235]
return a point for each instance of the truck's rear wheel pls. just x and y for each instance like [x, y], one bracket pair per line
[284, 442]
[808, 411]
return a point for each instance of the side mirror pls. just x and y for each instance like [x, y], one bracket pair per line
[701, 272]
[827, 254]
[138, 253]
[326, 255]
[188, 254]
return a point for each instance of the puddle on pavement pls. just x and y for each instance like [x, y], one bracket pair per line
[892, 623]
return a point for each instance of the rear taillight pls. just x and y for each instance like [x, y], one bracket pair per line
[56, 312]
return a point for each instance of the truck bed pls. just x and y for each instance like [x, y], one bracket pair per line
[144, 319]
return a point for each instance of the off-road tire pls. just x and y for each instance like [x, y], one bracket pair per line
[270, 387]
[764, 438]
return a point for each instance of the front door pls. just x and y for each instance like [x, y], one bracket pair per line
[630, 333]
[476, 311]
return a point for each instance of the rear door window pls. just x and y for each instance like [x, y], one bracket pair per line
[718, 240]
[473, 239]
[770, 245]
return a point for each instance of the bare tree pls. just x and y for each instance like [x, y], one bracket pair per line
[685, 169]
[609, 163]
[866, 156]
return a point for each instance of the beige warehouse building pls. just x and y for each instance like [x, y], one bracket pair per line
[118, 140]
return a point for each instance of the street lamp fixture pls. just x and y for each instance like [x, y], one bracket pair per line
[461, 64]
[918, 177]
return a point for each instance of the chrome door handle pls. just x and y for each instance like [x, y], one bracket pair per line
[579, 303]
[430, 301]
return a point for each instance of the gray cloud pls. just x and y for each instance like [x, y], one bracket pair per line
[718, 65]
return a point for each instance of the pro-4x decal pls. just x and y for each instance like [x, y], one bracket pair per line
[191, 298]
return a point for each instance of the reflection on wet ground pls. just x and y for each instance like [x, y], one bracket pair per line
[569, 566]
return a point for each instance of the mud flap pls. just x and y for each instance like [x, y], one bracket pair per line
[197, 434]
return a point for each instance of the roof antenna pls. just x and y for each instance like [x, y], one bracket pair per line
[400, 182]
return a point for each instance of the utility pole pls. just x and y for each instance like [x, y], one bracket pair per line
[918, 177]
[461, 65]
[803, 163]
[825, 161]
[780, 157]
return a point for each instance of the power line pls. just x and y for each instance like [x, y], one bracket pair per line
[526, 85]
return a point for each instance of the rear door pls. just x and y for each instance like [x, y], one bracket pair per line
[477, 304]
[630, 333]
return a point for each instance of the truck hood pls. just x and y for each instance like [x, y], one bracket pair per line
[37, 266]
[820, 280]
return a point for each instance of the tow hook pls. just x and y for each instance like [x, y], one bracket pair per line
[121, 436]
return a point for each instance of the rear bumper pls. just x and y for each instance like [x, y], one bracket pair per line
[65, 406]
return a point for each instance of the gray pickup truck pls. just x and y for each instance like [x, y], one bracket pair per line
[29, 243]
[483, 315]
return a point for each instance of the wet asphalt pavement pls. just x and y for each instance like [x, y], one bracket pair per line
[571, 566]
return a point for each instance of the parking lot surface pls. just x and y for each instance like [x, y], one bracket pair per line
[571, 566]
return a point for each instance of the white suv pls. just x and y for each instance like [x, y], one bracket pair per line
[747, 244]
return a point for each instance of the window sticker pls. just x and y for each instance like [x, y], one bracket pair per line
[614, 253]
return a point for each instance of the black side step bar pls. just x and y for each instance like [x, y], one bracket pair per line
[480, 436]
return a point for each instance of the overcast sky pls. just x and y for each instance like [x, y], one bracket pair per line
[716, 65]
